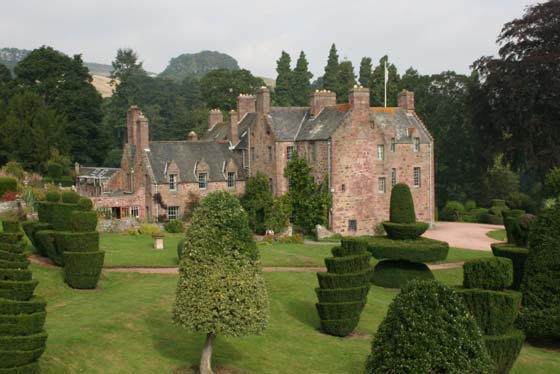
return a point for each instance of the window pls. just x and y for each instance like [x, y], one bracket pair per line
[393, 144]
[202, 181]
[290, 153]
[172, 182]
[343, 187]
[172, 212]
[380, 152]
[393, 177]
[253, 155]
[381, 185]
[352, 225]
[135, 212]
[312, 153]
[416, 144]
[269, 153]
[231, 180]
[417, 177]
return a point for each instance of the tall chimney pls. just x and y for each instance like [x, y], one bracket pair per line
[406, 100]
[263, 100]
[245, 104]
[142, 133]
[321, 99]
[132, 116]
[233, 130]
[358, 98]
[214, 116]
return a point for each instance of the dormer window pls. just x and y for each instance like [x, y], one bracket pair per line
[172, 182]
[393, 144]
[231, 180]
[202, 181]
[416, 143]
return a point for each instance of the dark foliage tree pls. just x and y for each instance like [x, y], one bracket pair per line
[220, 88]
[65, 84]
[301, 86]
[366, 72]
[346, 80]
[283, 89]
[330, 78]
[258, 202]
[521, 86]
[5, 74]
[377, 96]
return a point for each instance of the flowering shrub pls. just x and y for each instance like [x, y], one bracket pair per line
[8, 196]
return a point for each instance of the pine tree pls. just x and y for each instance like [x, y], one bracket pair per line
[301, 86]
[283, 89]
[377, 96]
[330, 79]
[346, 80]
[366, 72]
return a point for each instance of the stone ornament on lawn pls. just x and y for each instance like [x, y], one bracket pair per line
[158, 241]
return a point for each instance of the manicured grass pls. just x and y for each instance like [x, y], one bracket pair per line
[125, 327]
[129, 251]
[497, 234]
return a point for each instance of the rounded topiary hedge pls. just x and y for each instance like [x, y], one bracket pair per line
[419, 250]
[397, 273]
[402, 205]
[53, 196]
[70, 197]
[343, 289]
[422, 332]
[83, 269]
[540, 313]
[22, 315]
[494, 308]
[85, 204]
[518, 256]
[405, 231]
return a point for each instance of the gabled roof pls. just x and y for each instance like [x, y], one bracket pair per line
[322, 126]
[286, 122]
[96, 173]
[400, 120]
[186, 155]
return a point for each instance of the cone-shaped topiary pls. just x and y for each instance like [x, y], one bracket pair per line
[428, 330]
[402, 217]
[494, 308]
[220, 290]
[22, 315]
[540, 313]
[343, 289]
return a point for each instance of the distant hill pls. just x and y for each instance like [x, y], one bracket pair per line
[198, 65]
[11, 56]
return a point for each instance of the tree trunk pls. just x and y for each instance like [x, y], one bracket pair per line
[206, 358]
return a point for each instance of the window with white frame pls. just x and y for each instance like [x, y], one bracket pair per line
[172, 212]
[172, 182]
[202, 181]
[393, 177]
[417, 177]
[290, 153]
[381, 185]
[393, 144]
[312, 152]
[352, 225]
[416, 144]
[231, 180]
[381, 152]
[135, 211]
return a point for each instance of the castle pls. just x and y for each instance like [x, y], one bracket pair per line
[361, 152]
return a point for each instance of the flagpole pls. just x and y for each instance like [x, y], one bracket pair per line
[386, 76]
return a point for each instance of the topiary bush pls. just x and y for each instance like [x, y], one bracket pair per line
[540, 313]
[452, 211]
[53, 196]
[421, 333]
[494, 308]
[83, 269]
[397, 273]
[420, 250]
[402, 205]
[22, 315]
[70, 197]
[521, 229]
[85, 204]
[174, 226]
[510, 218]
[518, 256]
[405, 231]
[343, 288]
[83, 221]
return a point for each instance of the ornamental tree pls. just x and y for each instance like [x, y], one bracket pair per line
[220, 290]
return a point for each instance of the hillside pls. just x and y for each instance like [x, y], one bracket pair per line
[198, 65]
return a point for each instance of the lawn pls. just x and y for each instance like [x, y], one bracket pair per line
[129, 251]
[497, 234]
[125, 327]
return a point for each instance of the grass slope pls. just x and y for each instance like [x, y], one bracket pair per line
[497, 234]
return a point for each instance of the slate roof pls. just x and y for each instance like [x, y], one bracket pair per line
[401, 121]
[322, 126]
[186, 154]
[96, 173]
[286, 122]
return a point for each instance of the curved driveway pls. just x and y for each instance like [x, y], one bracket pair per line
[464, 235]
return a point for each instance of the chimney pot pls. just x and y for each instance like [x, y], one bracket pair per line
[406, 100]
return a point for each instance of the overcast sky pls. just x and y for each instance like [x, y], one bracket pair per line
[430, 35]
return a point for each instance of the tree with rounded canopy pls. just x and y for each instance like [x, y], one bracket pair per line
[220, 290]
[428, 330]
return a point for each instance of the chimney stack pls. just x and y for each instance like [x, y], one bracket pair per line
[142, 133]
[245, 104]
[131, 118]
[263, 100]
[214, 116]
[233, 130]
[192, 137]
[406, 100]
[358, 98]
[319, 100]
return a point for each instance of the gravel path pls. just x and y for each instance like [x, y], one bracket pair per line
[464, 235]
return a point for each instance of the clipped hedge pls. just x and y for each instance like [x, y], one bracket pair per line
[397, 273]
[13, 358]
[70, 197]
[46, 242]
[405, 231]
[342, 294]
[180, 248]
[53, 196]
[328, 280]
[33, 305]
[82, 269]
[504, 349]
[85, 204]
[17, 290]
[7, 185]
[402, 205]
[23, 342]
[522, 228]
[31, 228]
[420, 250]
[10, 225]
[61, 216]
[348, 264]
[32, 368]
[495, 273]
[510, 218]
[76, 241]
[518, 256]
[15, 274]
